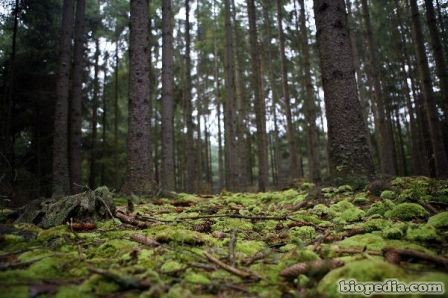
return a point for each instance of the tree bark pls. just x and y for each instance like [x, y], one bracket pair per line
[294, 165]
[385, 140]
[167, 174]
[435, 132]
[260, 105]
[439, 58]
[231, 157]
[310, 106]
[348, 150]
[61, 179]
[96, 91]
[116, 112]
[76, 102]
[138, 178]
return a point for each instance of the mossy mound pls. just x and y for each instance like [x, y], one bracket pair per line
[407, 211]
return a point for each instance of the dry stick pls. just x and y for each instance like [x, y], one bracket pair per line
[258, 256]
[238, 272]
[232, 244]
[142, 239]
[322, 266]
[394, 255]
[131, 220]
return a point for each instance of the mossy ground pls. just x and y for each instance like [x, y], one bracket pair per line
[56, 261]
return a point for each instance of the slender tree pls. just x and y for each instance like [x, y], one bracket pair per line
[167, 172]
[348, 150]
[138, 178]
[94, 119]
[76, 101]
[260, 105]
[385, 141]
[435, 132]
[61, 179]
[436, 44]
[310, 106]
[230, 149]
[294, 166]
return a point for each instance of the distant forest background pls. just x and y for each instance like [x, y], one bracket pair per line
[220, 94]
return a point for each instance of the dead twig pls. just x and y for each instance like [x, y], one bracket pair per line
[311, 268]
[142, 239]
[131, 220]
[396, 255]
[258, 256]
[231, 269]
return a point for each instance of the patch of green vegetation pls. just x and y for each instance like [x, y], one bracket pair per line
[112, 249]
[393, 233]
[322, 210]
[304, 234]
[196, 278]
[388, 194]
[171, 267]
[179, 234]
[230, 224]
[380, 208]
[407, 211]
[424, 232]
[249, 247]
[439, 221]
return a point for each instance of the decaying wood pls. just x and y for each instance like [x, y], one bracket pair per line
[345, 234]
[231, 269]
[81, 227]
[258, 256]
[131, 220]
[142, 239]
[311, 267]
[125, 282]
[396, 255]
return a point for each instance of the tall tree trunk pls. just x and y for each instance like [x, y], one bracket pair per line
[231, 157]
[188, 110]
[349, 157]
[138, 178]
[61, 180]
[104, 127]
[310, 106]
[385, 141]
[167, 174]
[260, 106]
[76, 102]
[435, 132]
[96, 91]
[294, 165]
[436, 44]
[116, 112]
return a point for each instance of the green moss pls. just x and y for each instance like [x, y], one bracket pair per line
[322, 210]
[350, 215]
[392, 233]
[360, 199]
[171, 267]
[439, 221]
[373, 269]
[407, 211]
[303, 234]
[380, 207]
[196, 278]
[424, 232]
[98, 286]
[229, 224]
[388, 194]
[179, 234]
[376, 224]
[371, 241]
[341, 206]
[14, 291]
[71, 292]
[249, 247]
[344, 189]
[112, 248]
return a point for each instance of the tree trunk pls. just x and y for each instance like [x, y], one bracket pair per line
[260, 106]
[188, 110]
[439, 58]
[310, 106]
[104, 128]
[167, 174]
[61, 180]
[348, 150]
[231, 157]
[435, 132]
[76, 102]
[96, 90]
[138, 177]
[294, 165]
[116, 120]
[385, 141]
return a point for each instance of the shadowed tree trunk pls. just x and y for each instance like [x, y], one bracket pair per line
[116, 90]
[435, 132]
[348, 150]
[260, 106]
[294, 166]
[76, 102]
[167, 174]
[230, 148]
[188, 110]
[385, 140]
[96, 90]
[310, 106]
[138, 178]
[61, 180]
[436, 44]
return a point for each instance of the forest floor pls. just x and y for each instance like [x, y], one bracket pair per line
[237, 244]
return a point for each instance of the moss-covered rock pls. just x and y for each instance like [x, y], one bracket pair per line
[388, 194]
[425, 232]
[407, 211]
[439, 221]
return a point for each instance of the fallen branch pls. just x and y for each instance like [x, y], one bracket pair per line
[142, 239]
[19, 265]
[395, 255]
[82, 227]
[345, 234]
[125, 282]
[258, 256]
[231, 269]
[354, 251]
[311, 267]
[131, 220]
